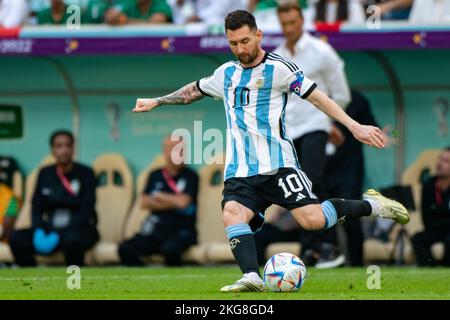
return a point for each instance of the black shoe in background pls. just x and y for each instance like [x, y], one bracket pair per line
[330, 257]
[309, 258]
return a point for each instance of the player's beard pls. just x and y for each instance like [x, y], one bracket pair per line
[248, 58]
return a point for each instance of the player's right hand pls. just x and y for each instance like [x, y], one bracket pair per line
[336, 136]
[144, 105]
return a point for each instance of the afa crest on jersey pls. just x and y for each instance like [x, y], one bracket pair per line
[259, 83]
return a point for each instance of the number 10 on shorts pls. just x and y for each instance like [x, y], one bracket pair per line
[292, 184]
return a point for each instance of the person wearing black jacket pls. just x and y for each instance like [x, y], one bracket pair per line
[63, 209]
[345, 170]
[171, 196]
[435, 214]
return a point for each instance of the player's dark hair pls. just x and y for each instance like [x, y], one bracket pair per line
[447, 148]
[63, 132]
[288, 6]
[238, 19]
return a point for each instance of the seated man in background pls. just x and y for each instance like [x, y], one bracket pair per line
[171, 195]
[138, 12]
[63, 209]
[435, 214]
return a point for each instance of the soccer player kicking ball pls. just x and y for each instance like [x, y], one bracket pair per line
[261, 163]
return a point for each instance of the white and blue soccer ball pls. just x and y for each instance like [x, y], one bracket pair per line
[284, 272]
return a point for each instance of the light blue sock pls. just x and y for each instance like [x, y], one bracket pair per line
[238, 230]
[330, 214]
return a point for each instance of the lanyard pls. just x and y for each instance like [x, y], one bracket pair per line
[437, 194]
[64, 181]
[170, 182]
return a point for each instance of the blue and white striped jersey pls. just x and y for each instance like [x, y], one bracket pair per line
[255, 101]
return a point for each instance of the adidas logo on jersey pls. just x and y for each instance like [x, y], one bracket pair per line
[299, 197]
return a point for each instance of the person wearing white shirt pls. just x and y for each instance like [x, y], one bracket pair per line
[13, 13]
[305, 124]
[320, 62]
[430, 11]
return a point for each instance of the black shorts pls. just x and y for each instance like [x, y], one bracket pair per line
[288, 187]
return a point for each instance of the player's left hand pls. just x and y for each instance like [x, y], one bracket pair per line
[369, 135]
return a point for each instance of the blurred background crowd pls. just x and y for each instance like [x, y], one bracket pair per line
[15, 13]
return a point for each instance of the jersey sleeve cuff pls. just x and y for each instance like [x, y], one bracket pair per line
[200, 89]
[308, 92]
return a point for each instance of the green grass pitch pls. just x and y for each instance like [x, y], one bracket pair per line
[201, 283]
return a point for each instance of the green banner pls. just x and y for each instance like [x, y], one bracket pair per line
[11, 122]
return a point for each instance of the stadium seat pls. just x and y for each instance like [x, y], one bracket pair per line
[424, 164]
[114, 194]
[412, 175]
[137, 215]
[211, 233]
[376, 250]
[24, 219]
[17, 184]
[5, 253]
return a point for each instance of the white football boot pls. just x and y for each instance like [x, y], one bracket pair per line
[250, 282]
[386, 208]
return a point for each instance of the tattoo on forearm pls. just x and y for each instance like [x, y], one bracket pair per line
[185, 95]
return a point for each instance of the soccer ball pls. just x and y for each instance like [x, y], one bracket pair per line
[284, 272]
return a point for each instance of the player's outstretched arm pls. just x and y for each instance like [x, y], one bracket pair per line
[186, 95]
[369, 135]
